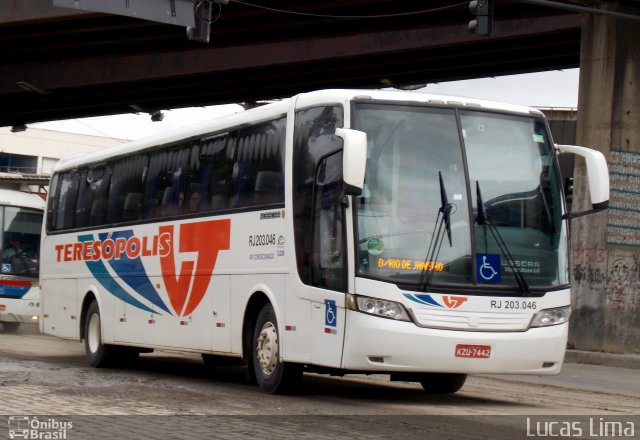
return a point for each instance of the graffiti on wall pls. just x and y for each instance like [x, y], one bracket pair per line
[623, 281]
[590, 267]
[614, 274]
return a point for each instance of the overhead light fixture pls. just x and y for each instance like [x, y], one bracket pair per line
[31, 88]
[157, 116]
[248, 105]
[388, 82]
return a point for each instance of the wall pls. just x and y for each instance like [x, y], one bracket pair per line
[605, 247]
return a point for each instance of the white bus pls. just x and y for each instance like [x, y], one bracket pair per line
[333, 232]
[21, 224]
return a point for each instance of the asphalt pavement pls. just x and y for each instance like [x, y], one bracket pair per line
[606, 359]
[616, 360]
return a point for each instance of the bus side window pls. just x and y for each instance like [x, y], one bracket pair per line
[98, 212]
[127, 176]
[269, 187]
[209, 174]
[52, 202]
[132, 206]
[314, 138]
[260, 150]
[216, 165]
[65, 217]
[164, 194]
[92, 193]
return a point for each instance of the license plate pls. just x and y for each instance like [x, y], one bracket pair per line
[473, 351]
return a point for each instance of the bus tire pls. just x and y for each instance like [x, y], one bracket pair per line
[10, 327]
[98, 354]
[442, 383]
[272, 374]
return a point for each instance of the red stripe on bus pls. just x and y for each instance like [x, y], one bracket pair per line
[16, 283]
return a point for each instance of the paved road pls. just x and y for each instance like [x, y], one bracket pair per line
[170, 396]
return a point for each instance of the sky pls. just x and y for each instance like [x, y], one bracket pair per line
[558, 89]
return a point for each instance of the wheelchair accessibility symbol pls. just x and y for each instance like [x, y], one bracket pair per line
[330, 312]
[488, 268]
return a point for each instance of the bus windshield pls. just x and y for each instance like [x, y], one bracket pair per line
[421, 157]
[20, 241]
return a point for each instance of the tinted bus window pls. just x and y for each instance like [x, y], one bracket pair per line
[92, 196]
[165, 182]
[125, 192]
[258, 171]
[314, 138]
[65, 215]
[20, 241]
[52, 202]
[210, 169]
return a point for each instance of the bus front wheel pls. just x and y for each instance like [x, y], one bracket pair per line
[272, 374]
[98, 354]
[442, 383]
[10, 327]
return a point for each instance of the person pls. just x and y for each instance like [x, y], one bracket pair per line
[194, 201]
[14, 249]
[15, 259]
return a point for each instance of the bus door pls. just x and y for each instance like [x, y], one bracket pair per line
[328, 269]
[319, 229]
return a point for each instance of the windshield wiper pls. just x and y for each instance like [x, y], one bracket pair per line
[445, 208]
[483, 219]
[442, 225]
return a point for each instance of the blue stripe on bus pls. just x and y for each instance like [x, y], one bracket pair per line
[13, 291]
[100, 273]
[132, 272]
[423, 299]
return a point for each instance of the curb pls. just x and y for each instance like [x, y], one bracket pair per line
[598, 358]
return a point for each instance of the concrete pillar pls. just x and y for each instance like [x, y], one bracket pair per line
[606, 247]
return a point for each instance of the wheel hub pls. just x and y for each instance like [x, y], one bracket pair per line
[93, 333]
[267, 348]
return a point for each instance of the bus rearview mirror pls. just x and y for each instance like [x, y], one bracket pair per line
[597, 175]
[354, 159]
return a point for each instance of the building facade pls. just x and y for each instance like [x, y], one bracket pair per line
[28, 157]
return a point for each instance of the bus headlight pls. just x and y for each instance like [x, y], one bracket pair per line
[547, 317]
[378, 307]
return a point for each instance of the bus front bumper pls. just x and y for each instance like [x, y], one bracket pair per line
[19, 310]
[374, 344]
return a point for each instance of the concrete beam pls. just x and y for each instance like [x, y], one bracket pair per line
[15, 11]
[606, 246]
[111, 70]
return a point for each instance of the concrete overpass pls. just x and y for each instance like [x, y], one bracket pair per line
[58, 63]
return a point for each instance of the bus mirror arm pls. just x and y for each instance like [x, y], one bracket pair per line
[354, 159]
[572, 215]
[597, 175]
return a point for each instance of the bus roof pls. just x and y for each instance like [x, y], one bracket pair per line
[10, 197]
[415, 97]
[280, 108]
